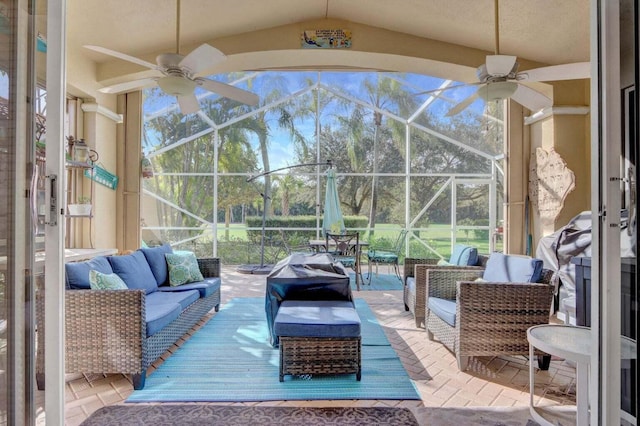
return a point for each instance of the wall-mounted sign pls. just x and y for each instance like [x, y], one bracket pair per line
[326, 39]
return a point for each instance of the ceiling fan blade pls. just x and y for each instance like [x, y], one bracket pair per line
[500, 65]
[122, 56]
[531, 99]
[574, 71]
[442, 89]
[202, 58]
[460, 106]
[228, 91]
[129, 86]
[188, 104]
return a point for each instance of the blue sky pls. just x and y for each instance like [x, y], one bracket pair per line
[281, 147]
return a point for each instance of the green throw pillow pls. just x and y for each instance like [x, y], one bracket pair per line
[100, 281]
[443, 262]
[183, 268]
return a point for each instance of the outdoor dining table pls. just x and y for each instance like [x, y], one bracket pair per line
[319, 246]
[304, 277]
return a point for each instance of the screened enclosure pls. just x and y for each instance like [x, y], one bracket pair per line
[225, 181]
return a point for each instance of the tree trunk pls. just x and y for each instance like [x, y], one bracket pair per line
[374, 182]
[267, 179]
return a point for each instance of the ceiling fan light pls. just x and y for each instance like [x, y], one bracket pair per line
[498, 90]
[177, 86]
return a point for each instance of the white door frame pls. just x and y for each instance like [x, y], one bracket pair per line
[54, 234]
[604, 382]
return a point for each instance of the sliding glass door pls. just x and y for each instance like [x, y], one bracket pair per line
[19, 235]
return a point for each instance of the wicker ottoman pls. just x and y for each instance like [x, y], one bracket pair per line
[318, 337]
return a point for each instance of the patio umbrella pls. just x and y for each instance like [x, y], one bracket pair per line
[332, 219]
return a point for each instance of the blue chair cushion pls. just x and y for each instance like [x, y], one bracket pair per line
[381, 256]
[512, 269]
[463, 255]
[77, 273]
[445, 309]
[206, 288]
[158, 314]
[134, 271]
[183, 298]
[317, 318]
[347, 261]
[157, 261]
[411, 285]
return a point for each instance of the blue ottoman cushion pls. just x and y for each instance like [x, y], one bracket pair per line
[317, 318]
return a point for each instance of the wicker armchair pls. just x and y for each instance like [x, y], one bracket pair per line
[414, 294]
[490, 318]
[105, 330]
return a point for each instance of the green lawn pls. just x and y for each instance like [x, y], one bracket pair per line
[234, 247]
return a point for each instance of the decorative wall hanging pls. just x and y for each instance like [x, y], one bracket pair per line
[325, 39]
[550, 181]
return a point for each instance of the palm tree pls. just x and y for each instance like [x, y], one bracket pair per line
[384, 94]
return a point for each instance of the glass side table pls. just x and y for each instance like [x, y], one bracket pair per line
[572, 343]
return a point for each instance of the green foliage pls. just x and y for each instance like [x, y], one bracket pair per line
[290, 222]
[366, 141]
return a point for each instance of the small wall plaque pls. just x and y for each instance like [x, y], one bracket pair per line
[326, 39]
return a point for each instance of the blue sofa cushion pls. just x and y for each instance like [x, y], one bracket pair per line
[158, 315]
[157, 262]
[445, 309]
[317, 318]
[77, 273]
[134, 271]
[512, 269]
[206, 287]
[464, 255]
[183, 298]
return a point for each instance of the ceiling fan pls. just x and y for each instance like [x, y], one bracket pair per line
[498, 78]
[178, 74]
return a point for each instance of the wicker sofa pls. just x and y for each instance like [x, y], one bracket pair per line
[124, 331]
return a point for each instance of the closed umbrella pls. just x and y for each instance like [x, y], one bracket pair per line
[332, 221]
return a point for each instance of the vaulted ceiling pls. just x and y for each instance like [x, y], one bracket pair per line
[539, 32]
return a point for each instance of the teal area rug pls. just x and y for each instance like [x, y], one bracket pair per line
[384, 282]
[230, 359]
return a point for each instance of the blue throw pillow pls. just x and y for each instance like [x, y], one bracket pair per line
[512, 269]
[463, 255]
[77, 273]
[134, 271]
[157, 261]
